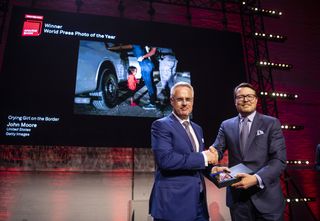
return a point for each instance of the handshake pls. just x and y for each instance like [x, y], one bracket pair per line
[212, 155]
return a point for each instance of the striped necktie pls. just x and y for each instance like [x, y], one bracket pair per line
[244, 133]
[186, 125]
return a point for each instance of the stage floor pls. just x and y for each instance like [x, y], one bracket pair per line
[122, 196]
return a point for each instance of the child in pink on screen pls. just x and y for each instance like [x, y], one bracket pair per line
[132, 83]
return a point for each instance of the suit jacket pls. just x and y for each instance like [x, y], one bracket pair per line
[265, 154]
[178, 176]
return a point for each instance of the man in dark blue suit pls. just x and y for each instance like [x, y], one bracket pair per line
[178, 193]
[258, 196]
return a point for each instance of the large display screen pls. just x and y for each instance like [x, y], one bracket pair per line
[85, 80]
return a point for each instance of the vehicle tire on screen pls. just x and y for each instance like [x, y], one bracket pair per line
[109, 90]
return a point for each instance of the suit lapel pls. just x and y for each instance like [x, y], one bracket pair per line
[253, 130]
[199, 136]
[180, 130]
[236, 134]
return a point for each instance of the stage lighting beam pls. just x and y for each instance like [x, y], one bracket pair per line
[270, 37]
[273, 65]
[281, 95]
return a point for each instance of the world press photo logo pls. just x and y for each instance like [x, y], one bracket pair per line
[32, 25]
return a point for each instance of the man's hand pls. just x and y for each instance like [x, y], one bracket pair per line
[212, 157]
[214, 151]
[246, 181]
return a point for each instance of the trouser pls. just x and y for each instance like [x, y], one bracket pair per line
[201, 215]
[167, 70]
[246, 211]
[146, 72]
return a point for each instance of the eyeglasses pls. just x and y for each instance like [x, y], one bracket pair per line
[183, 100]
[250, 97]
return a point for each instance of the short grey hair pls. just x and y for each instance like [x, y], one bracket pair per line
[181, 84]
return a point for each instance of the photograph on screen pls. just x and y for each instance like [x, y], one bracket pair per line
[89, 80]
[125, 79]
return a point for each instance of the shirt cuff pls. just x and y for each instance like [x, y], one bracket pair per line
[205, 159]
[260, 183]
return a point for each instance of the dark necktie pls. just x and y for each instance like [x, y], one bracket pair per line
[244, 133]
[186, 125]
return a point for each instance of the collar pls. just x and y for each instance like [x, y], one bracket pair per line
[179, 119]
[250, 117]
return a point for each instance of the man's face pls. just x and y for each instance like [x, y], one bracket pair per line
[182, 102]
[246, 101]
